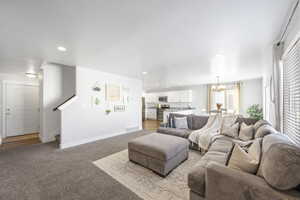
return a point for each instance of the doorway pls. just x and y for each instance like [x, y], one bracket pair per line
[20, 110]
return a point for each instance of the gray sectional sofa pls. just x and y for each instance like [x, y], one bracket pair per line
[194, 122]
[277, 177]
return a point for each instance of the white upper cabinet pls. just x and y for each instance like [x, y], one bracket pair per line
[184, 96]
[151, 98]
[172, 97]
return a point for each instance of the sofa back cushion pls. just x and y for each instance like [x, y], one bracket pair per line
[264, 130]
[231, 131]
[260, 123]
[198, 121]
[280, 164]
[248, 121]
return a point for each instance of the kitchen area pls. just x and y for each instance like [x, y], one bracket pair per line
[158, 105]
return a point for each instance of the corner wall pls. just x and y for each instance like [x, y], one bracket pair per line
[251, 92]
[57, 85]
[81, 122]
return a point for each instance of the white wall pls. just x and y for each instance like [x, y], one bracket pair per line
[251, 92]
[58, 84]
[68, 81]
[14, 78]
[199, 98]
[82, 122]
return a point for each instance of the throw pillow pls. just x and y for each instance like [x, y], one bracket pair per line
[243, 161]
[231, 131]
[264, 130]
[255, 149]
[181, 122]
[246, 132]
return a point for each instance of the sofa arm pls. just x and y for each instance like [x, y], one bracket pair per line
[184, 133]
[224, 183]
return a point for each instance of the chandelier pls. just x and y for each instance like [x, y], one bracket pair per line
[218, 87]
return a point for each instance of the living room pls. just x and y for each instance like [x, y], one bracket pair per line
[172, 100]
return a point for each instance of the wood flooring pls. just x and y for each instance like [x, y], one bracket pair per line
[22, 140]
[151, 125]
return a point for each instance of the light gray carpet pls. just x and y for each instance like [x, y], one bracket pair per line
[43, 172]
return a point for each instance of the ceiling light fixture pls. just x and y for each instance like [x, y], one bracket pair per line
[218, 87]
[61, 48]
[31, 75]
[144, 73]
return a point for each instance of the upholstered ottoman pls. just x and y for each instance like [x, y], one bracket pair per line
[158, 152]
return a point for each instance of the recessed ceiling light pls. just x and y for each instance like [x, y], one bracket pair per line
[144, 73]
[31, 75]
[60, 48]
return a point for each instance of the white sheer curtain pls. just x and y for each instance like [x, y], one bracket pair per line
[275, 86]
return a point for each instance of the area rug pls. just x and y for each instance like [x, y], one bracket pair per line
[145, 183]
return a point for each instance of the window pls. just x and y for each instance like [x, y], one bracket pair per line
[291, 93]
[229, 98]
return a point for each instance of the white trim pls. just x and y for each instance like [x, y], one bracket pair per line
[3, 84]
[93, 139]
[3, 110]
[49, 137]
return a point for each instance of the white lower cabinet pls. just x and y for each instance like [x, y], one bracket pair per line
[151, 113]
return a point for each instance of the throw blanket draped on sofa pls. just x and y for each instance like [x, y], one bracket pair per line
[204, 136]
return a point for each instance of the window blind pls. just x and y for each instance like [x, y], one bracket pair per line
[291, 93]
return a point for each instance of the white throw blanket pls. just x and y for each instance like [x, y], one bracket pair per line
[204, 136]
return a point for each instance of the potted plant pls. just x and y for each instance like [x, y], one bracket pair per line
[255, 112]
[107, 111]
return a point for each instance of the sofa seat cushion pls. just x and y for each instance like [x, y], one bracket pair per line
[159, 146]
[196, 177]
[235, 141]
[184, 133]
[222, 144]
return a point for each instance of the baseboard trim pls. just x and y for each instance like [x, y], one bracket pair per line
[89, 140]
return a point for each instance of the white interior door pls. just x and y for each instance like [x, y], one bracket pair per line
[21, 109]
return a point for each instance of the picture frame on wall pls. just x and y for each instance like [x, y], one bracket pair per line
[97, 95]
[113, 92]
